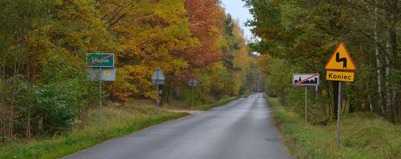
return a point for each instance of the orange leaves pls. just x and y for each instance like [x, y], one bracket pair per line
[204, 16]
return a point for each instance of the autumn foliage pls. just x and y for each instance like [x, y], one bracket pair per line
[43, 77]
[205, 20]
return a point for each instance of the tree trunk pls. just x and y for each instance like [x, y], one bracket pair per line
[393, 63]
[352, 105]
[378, 63]
[3, 109]
[29, 101]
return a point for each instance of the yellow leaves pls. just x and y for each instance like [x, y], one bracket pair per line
[130, 81]
[169, 11]
[150, 35]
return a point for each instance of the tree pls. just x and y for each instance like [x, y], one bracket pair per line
[204, 17]
[20, 32]
[306, 32]
[149, 35]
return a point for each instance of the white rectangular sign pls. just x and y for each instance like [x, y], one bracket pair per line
[310, 79]
[105, 74]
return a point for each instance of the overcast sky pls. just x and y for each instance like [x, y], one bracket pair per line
[238, 11]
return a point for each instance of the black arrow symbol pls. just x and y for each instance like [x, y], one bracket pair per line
[344, 60]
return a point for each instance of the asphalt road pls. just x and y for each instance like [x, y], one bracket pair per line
[242, 129]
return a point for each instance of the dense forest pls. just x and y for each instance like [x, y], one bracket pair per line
[44, 86]
[300, 36]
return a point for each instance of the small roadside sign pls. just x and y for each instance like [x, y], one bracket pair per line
[310, 79]
[340, 76]
[99, 60]
[158, 77]
[340, 60]
[102, 69]
[104, 74]
[305, 79]
[192, 82]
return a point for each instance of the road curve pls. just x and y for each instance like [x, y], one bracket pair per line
[242, 129]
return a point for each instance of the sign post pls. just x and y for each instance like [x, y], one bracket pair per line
[192, 82]
[338, 115]
[158, 79]
[102, 69]
[340, 61]
[100, 97]
[305, 80]
[306, 105]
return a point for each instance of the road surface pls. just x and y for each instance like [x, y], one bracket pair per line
[242, 129]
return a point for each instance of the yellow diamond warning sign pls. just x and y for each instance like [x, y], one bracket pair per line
[340, 60]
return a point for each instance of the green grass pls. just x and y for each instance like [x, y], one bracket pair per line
[218, 103]
[180, 105]
[363, 135]
[117, 121]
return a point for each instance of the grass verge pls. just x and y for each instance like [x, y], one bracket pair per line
[363, 135]
[218, 103]
[181, 105]
[116, 122]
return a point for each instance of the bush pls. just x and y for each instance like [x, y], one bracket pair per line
[56, 105]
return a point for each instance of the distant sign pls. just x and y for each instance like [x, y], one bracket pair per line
[192, 82]
[305, 79]
[158, 77]
[340, 60]
[99, 60]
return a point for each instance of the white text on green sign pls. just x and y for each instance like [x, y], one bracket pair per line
[100, 60]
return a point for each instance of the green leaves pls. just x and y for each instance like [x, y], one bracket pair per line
[305, 33]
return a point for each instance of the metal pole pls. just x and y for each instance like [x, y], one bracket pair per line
[157, 99]
[338, 115]
[316, 89]
[192, 95]
[306, 105]
[100, 97]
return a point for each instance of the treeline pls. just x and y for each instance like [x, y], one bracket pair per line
[299, 37]
[44, 87]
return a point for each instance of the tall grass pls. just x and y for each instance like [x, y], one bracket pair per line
[363, 135]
